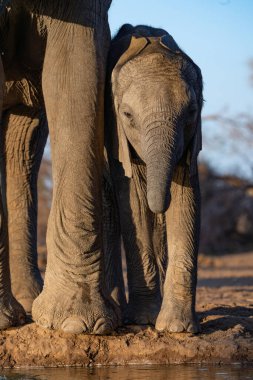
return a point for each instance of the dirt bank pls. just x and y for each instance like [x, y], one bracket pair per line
[225, 309]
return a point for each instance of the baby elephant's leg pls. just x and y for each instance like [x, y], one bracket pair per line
[137, 224]
[183, 223]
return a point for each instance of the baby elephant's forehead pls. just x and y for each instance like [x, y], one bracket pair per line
[152, 69]
[154, 64]
[152, 93]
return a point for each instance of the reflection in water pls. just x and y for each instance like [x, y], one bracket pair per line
[179, 372]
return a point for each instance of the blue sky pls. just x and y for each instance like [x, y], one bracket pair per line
[217, 34]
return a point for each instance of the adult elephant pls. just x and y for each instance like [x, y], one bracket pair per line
[153, 140]
[54, 54]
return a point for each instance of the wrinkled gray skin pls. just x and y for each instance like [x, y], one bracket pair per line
[153, 138]
[54, 55]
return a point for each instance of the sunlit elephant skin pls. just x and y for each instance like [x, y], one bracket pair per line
[153, 136]
[54, 55]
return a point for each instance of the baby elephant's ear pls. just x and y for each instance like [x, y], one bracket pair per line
[193, 152]
[137, 44]
[196, 144]
[169, 43]
[120, 142]
[123, 152]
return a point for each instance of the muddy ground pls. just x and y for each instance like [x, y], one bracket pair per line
[225, 309]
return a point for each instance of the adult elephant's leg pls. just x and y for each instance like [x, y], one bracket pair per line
[73, 86]
[183, 224]
[11, 312]
[138, 226]
[112, 243]
[25, 133]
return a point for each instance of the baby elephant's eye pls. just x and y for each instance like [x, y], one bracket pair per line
[127, 115]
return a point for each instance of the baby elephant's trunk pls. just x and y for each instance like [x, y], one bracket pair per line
[161, 152]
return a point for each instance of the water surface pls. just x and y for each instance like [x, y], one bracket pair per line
[173, 372]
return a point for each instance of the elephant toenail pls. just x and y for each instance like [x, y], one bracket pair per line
[176, 327]
[74, 325]
[44, 323]
[160, 325]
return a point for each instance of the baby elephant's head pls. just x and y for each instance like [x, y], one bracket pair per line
[157, 96]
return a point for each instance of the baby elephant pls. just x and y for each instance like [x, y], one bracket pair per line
[153, 137]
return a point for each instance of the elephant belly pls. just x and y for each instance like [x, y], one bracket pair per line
[23, 40]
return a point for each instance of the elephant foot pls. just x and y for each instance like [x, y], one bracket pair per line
[177, 319]
[11, 313]
[26, 289]
[75, 313]
[143, 311]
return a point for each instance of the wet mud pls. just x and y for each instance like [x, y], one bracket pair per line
[225, 310]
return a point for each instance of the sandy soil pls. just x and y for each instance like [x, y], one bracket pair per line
[225, 309]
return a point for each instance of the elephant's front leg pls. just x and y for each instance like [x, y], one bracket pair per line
[11, 312]
[25, 134]
[73, 297]
[183, 224]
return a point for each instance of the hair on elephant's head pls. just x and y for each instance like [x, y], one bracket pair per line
[156, 92]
